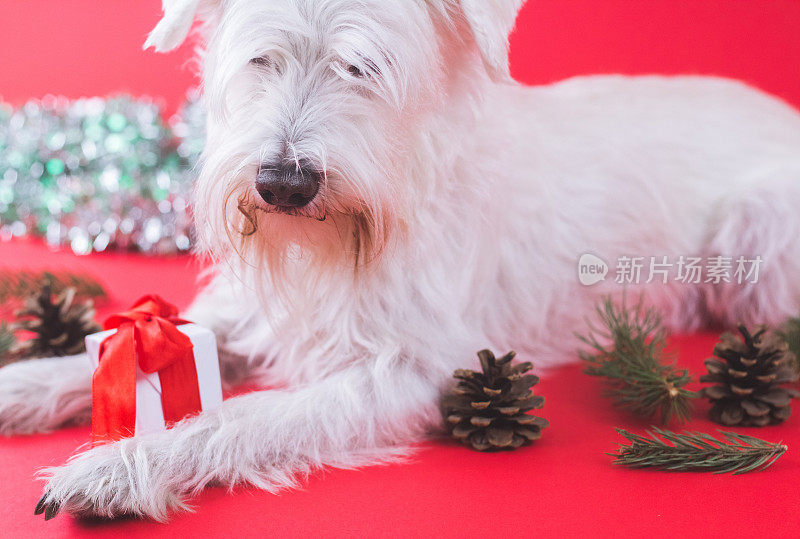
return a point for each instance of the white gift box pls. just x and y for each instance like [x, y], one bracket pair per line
[149, 415]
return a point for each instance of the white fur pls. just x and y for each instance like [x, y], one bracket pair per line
[44, 394]
[451, 218]
[491, 22]
[173, 28]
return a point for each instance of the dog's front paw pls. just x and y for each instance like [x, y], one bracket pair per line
[39, 395]
[110, 481]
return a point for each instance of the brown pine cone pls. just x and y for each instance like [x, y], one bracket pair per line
[487, 410]
[748, 374]
[59, 325]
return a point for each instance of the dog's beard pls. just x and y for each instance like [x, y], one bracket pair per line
[324, 237]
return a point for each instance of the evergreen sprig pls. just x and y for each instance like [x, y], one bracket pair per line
[634, 365]
[790, 332]
[7, 341]
[20, 284]
[696, 451]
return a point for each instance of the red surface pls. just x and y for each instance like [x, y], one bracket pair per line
[87, 47]
[562, 486]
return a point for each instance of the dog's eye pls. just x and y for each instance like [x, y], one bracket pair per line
[355, 71]
[262, 61]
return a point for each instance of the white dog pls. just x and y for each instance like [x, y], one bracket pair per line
[384, 201]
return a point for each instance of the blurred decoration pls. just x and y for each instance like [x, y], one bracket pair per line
[99, 174]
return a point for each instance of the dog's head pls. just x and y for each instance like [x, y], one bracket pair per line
[317, 110]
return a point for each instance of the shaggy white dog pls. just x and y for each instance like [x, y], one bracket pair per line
[384, 201]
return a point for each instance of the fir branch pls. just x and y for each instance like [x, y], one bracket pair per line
[20, 284]
[790, 332]
[7, 341]
[696, 451]
[633, 364]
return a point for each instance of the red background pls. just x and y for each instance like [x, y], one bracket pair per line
[562, 486]
[90, 47]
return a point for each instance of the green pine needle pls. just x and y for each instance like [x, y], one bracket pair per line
[7, 341]
[633, 363]
[696, 451]
[790, 332]
[19, 284]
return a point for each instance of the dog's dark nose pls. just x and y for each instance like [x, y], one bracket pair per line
[287, 186]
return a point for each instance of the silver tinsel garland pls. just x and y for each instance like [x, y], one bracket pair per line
[99, 174]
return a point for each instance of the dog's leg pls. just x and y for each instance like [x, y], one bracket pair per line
[760, 221]
[267, 439]
[225, 306]
[40, 395]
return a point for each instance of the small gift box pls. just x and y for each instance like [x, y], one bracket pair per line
[151, 369]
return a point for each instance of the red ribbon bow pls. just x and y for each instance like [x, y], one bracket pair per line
[146, 336]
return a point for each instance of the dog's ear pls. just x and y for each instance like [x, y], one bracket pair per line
[491, 21]
[174, 26]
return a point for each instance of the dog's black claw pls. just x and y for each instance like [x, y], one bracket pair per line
[52, 510]
[40, 507]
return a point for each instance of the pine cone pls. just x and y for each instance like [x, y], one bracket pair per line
[59, 326]
[487, 410]
[748, 375]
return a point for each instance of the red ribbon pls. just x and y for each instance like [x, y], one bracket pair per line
[146, 336]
